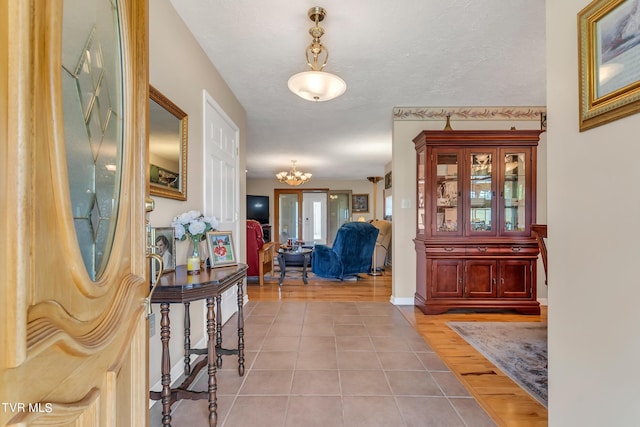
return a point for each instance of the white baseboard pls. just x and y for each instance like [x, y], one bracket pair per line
[543, 301]
[401, 301]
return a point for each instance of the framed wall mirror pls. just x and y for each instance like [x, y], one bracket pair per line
[168, 130]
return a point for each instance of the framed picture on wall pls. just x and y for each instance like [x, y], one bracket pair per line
[387, 181]
[221, 252]
[360, 203]
[609, 61]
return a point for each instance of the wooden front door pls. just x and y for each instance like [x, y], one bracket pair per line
[73, 271]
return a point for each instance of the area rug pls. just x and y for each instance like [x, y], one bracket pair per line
[519, 349]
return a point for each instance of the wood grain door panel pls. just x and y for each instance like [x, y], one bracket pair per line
[74, 348]
[515, 279]
[480, 278]
[446, 278]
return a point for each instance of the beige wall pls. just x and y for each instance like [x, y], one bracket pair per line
[404, 195]
[265, 187]
[594, 208]
[180, 70]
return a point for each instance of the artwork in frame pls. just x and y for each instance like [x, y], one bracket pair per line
[163, 177]
[387, 181]
[360, 203]
[609, 59]
[220, 245]
[163, 244]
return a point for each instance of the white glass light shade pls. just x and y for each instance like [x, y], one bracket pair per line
[317, 86]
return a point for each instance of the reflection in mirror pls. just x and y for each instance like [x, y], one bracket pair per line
[168, 126]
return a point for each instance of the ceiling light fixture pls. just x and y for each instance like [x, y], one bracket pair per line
[293, 177]
[317, 85]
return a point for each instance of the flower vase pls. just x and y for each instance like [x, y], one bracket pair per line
[193, 259]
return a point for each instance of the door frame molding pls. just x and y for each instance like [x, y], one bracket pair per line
[276, 208]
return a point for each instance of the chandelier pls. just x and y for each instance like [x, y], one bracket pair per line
[317, 85]
[293, 177]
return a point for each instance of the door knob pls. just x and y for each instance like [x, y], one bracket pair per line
[156, 281]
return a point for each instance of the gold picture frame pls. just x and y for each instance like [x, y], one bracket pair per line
[168, 145]
[221, 252]
[608, 62]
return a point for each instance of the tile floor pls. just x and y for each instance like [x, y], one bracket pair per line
[331, 364]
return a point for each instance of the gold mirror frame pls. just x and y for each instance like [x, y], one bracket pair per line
[167, 162]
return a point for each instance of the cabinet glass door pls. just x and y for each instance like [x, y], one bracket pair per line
[447, 190]
[481, 192]
[421, 191]
[514, 192]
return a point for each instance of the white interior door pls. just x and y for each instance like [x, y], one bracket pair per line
[221, 178]
[314, 217]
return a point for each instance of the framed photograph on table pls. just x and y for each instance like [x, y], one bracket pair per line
[359, 203]
[609, 61]
[221, 252]
[162, 242]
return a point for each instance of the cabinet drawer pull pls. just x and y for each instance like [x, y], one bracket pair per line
[448, 249]
[482, 248]
[515, 249]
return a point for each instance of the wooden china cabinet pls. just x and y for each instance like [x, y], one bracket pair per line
[476, 201]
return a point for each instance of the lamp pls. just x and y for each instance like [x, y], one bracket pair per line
[317, 85]
[293, 177]
[374, 265]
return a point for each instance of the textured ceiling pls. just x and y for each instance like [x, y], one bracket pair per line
[391, 54]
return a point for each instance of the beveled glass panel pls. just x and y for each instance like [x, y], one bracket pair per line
[514, 192]
[339, 212]
[480, 191]
[288, 217]
[92, 102]
[447, 192]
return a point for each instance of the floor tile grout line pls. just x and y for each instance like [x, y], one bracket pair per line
[408, 340]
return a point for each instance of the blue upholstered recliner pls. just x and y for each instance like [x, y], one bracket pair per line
[351, 252]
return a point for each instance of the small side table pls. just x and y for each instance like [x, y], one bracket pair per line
[300, 257]
[178, 287]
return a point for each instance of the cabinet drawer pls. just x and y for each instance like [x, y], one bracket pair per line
[483, 250]
[527, 251]
[445, 250]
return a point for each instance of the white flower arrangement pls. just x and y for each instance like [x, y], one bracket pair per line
[193, 224]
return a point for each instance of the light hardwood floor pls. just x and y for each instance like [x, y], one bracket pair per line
[501, 398]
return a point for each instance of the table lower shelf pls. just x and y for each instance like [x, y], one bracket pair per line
[182, 391]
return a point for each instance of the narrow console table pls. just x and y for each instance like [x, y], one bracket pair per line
[178, 287]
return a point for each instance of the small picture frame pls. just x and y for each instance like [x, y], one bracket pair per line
[221, 251]
[360, 203]
[387, 181]
[163, 243]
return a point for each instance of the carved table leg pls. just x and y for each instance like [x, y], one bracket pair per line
[219, 329]
[307, 258]
[282, 266]
[165, 335]
[211, 364]
[240, 330]
[187, 340]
